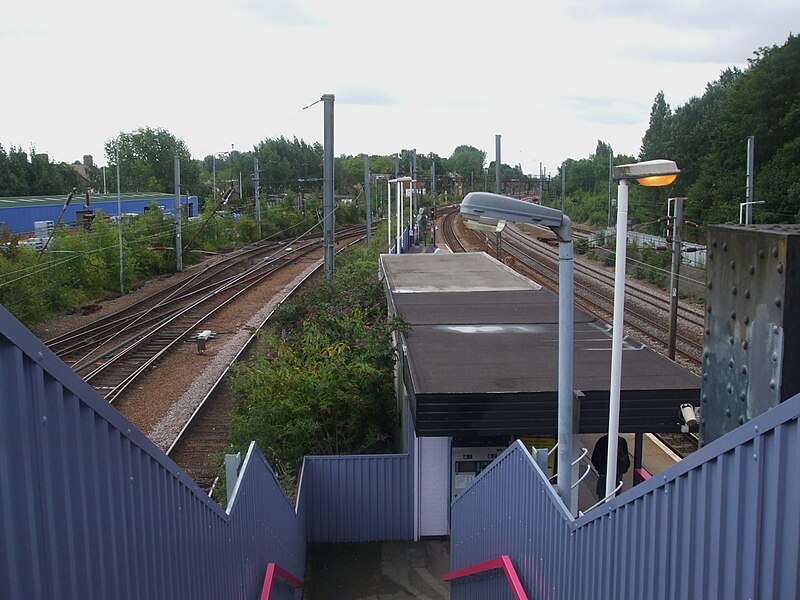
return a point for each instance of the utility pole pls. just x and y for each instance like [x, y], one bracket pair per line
[367, 196]
[563, 186]
[119, 228]
[414, 199]
[497, 163]
[610, 184]
[178, 241]
[748, 195]
[258, 202]
[674, 275]
[327, 187]
[433, 179]
[396, 165]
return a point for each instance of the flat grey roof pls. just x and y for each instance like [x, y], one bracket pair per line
[482, 354]
[444, 272]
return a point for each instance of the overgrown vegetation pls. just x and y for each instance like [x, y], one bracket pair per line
[324, 384]
[83, 266]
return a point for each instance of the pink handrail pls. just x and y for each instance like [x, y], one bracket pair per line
[274, 571]
[501, 562]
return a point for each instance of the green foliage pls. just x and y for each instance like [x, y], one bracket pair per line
[21, 176]
[650, 264]
[147, 161]
[325, 384]
[581, 245]
[288, 164]
[83, 266]
[707, 138]
[467, 161]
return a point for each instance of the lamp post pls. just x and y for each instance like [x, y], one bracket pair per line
[652, 173]
[485, 211]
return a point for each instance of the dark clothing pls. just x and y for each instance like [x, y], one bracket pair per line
[599, 460]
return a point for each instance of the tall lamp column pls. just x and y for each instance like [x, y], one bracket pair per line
[653, 173]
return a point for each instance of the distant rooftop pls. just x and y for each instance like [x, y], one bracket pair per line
[79, 197]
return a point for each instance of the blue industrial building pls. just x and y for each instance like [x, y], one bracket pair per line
[19, 214]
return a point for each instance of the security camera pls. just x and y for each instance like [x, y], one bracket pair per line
[688, 415]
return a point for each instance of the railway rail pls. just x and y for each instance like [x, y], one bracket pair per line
[204, 436]
[113, 352]
[646, 311]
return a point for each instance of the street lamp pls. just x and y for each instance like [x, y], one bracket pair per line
[651, 173]
[486, 211]
[119, 214]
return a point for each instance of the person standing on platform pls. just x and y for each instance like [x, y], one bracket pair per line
[599, 460]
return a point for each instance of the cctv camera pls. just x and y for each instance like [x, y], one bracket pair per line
[687, 413]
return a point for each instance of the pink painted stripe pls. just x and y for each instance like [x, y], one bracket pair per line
[274, 571]
[643, 473]
[501, 562]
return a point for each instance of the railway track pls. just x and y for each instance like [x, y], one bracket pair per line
[204, 436]
[114, 352]
[451, 237]
[646, 311]
[144, 341]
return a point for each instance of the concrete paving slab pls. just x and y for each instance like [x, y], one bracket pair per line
[377, 571]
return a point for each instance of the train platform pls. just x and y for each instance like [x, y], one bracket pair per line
[421, 249]
[480, 369]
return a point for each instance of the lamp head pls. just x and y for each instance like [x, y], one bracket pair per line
[650, 173]
[487, 209]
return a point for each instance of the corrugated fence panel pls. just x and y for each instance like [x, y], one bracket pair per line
[90, 508]
[722, 523]
[360, 498]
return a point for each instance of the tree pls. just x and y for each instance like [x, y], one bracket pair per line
[147, 161]
[289, 165]
[468, 162]
[655, 143]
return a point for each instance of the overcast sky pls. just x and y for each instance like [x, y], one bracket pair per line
[550, 77]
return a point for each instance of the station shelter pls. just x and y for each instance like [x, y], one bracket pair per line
[478, 369]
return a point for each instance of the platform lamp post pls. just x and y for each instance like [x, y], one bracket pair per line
[489, 212]
[651, 173]
[119, 213]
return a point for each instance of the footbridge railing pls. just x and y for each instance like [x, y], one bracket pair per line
[90, 508]
[722, 523]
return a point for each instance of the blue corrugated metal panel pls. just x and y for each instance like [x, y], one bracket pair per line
[20, 219]
[359, 498]
[90, 508]
[723, 523]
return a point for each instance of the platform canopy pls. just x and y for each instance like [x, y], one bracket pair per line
[481, 357]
